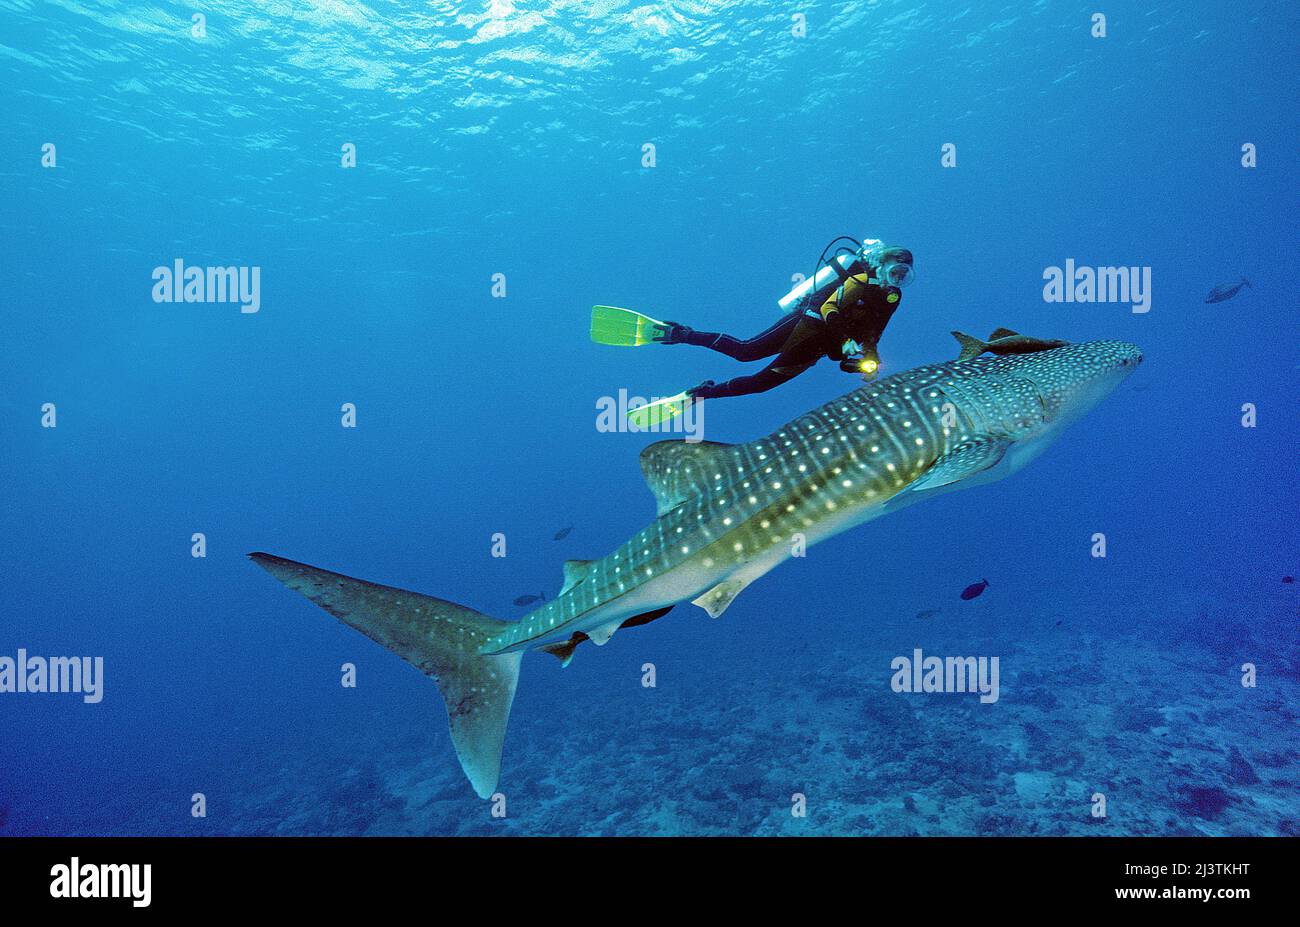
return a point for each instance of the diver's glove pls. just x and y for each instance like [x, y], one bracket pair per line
[703, 391]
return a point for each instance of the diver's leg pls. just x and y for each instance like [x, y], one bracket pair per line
[764, 344]
[769, 377]
[799, 354]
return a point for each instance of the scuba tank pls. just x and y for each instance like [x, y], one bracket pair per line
[815, 290]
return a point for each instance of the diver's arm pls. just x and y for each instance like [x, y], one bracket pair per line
[833, 311]
[832, 304]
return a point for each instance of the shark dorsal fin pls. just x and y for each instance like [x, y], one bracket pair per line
[676, 470]
[1002, 333]
[575, 571]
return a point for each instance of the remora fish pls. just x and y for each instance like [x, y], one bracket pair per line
[727, 514]
[1003, 341]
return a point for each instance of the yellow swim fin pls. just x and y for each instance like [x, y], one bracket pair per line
[625, 328]
[656, 413]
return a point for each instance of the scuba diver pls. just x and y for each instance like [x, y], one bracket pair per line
[839, 312]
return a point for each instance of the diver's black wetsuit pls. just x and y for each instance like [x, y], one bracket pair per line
[859, 310]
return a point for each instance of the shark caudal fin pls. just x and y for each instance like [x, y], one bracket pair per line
[441, 639]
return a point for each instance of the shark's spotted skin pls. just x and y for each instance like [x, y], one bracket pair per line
[729, 513]
[724, 508]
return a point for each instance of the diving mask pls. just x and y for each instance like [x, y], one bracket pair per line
[893, 266]
[896, 273]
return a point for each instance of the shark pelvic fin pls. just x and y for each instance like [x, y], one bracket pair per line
[965, 461]
[716, 600]
[676, 470]
[439, 638]
[1002, 333]
[970, 346]
[575, 571]
[600, 636]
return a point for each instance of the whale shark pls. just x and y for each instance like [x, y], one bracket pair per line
[728, 514]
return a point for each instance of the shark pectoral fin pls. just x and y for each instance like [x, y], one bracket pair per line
[575, 571]
[970, 346]
[976, 456]
[676, 470]
[716, 600]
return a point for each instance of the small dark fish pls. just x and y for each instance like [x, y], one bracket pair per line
[1226, 291]
[563, 533]
[1061, 622]
[927, 613]
[1288, 579]
[530, 599]
[974, 590]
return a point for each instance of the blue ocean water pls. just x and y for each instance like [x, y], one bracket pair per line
[508, 139]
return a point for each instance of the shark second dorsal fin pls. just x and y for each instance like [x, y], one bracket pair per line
[1002, 333]
[575, 571]
[676, 470]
